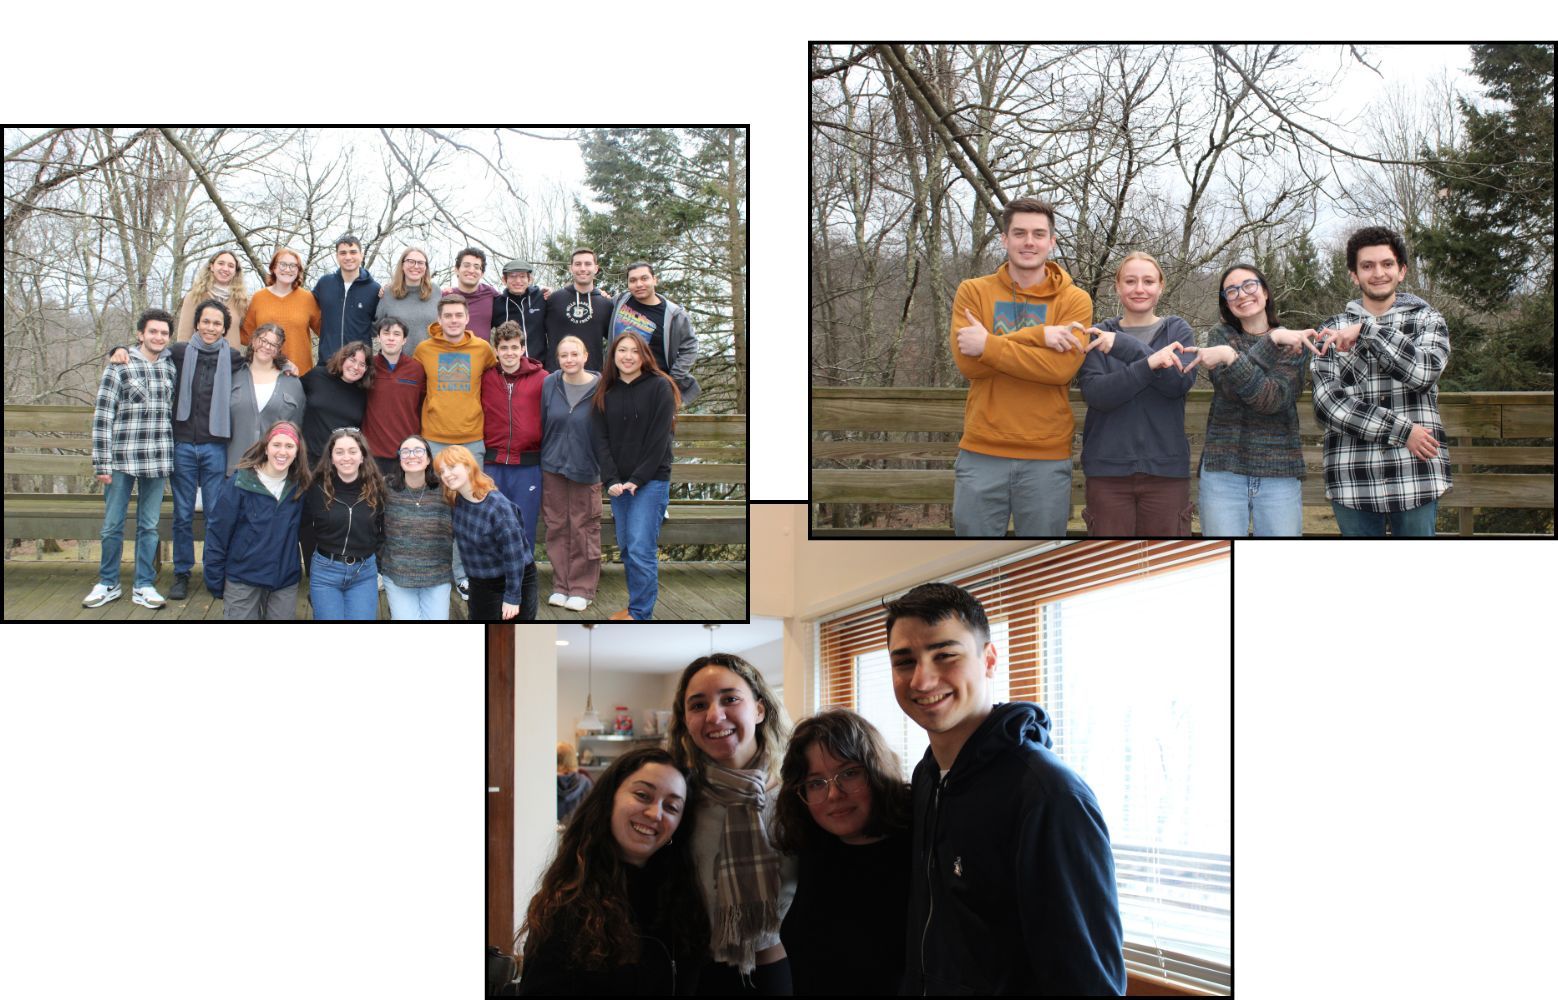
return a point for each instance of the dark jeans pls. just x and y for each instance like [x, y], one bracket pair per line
[1415, 523]
[195, 466]
[486, 603]
[1137, 506]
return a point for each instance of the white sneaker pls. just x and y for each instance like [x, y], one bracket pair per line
[147, 597]
[464, 587]
[199, 501]
[557, 600]
[100, 595]
[381, 583]
[577, 603]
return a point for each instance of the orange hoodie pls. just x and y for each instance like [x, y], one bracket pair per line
[451, 410]
[1017, 405]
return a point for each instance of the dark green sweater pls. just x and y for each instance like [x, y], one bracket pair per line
[1252, 428]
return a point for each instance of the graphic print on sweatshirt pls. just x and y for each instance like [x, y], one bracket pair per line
[629, 318]
[454, 373]
[1013, 316]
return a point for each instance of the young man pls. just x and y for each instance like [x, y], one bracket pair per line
[454, 361]
[1376, 393]
[522, 303]
[511, 407]
[1012, 890]
[394, 410]
[578, 309]
[347, 300]
[661, 322]
[469, 266]
[132, 446]
[1012, 340]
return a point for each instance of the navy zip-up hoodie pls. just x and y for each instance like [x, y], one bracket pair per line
[252, 537]
[567, 442]
[529, 311]
[1136, 416]
[345, 315]
[1012, 889]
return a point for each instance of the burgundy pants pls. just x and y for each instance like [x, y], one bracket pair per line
[1137, 506]
[572, 514]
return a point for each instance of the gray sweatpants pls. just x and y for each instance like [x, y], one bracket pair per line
[990, 491]
[243, 603]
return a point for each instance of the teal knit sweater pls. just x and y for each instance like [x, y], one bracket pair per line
[418, 538]
[1252, 428]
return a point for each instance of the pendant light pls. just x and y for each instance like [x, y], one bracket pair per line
[590, 722]
[711, 629]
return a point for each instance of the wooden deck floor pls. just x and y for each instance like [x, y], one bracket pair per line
[52, 591]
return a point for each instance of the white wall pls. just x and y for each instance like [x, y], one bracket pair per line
[535, 758]
[637, 690]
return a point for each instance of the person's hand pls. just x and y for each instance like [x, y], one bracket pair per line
[1422, 443]
[1222, 354]
[288, 368]
[1168, 357]
[381, 291]
[1061, 338]
[1292, 341]
[1343, 337]
[971, 338]
[1103, 340]
[119, 357]
[631, 489]
[546, 292]
[105, 479]
[509, 610]
[614, 490]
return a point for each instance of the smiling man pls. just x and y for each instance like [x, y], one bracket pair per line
[347, 300]
[1012, 340]
[1012, 889]
[1377, 395]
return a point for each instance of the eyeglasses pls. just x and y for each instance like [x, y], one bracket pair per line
[413, 452]
[286, 267]
[1242, 288]
[815, 790]
[274, 345]
[415, 263]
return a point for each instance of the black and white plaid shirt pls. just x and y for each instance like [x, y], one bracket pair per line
[132, 430]
[1368, 399]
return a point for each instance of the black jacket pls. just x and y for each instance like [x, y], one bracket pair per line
[633, 435]
[348, 527]
[1013, 887]
[197, 429]
[529, 311]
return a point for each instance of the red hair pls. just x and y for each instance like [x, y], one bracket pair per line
[270, 271]
[456, 454]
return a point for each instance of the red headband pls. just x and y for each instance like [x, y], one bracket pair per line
[288, 431]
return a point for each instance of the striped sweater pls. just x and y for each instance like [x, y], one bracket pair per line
[417, 535]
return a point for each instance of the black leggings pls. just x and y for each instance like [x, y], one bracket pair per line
[486, 598]
[771, 980]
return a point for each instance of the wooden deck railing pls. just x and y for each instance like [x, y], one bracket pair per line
[860, 455]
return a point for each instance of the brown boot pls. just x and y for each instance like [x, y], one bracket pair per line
[621, 616]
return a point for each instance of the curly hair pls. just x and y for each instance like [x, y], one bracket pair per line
[338, 361]
[237, 293]
[583, 897]
[368, 473]
[848, 737]
[771, 732]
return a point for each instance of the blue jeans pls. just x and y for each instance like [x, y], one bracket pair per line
[147, 510]
[194, 465]
[1415, 523]
[638, 518]
[417, 604]
[477, 449]
[1034, 493]
[521, 484]
[1230, 501]
[344, 592]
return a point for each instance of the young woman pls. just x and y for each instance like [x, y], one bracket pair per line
[1253, 462]
[343, 524]
[251, 555]
[411, 297]
[570, 479]
[1134, 450]
[221, 279]
[572, 784]
[618, 910]
[635, 415]
[729, 731]
[285, 302]
[494, 545]
[337, 394]
[418, 537]
[262, 393]
[844, 809]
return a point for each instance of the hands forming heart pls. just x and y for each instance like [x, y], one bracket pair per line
[1102, 340]
[1174, 356]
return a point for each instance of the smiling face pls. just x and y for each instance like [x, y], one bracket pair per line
[211, 325]
[583, 268]
[646, 811]
[349, 257]
[510, 352]
[468, 272]
[392, 339]
[570, 357]
[454, 476]
[452, 319]
[1139, 286]
[516, 281]
[279, 453]
[940, 678]
[266, 346]
[845, 811]
[414, 267]
[354, 366]
[627, 358]
[413, 455]
[153, 337]
[223, 268]
[346, 456]
[1028, 242]
[723, 716]
[1241, 305]
[287, 269]
[1378, 273]
[641, 283]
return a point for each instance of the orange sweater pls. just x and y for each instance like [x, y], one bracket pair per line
[451, 410]
[297, 313]
[1017, 405]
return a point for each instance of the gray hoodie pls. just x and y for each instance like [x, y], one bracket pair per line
[567, 447]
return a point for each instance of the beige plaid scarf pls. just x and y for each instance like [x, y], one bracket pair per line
[746, 872]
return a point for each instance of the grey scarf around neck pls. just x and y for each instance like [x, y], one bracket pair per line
[220, 424]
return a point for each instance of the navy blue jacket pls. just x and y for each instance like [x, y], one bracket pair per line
[345, 316]
[1012, 891]
[252, 537]
[1136, 416]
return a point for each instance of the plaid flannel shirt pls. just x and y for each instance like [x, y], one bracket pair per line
[132, 428]
[1368, 399]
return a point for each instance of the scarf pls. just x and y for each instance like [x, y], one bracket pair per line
[221, 388]
[746, 871]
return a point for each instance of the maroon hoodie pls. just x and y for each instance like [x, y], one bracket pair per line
[511, 413]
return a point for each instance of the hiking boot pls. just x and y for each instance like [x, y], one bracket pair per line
[180, 589]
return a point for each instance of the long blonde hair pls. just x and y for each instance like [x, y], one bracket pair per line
[397, 285]
[237, 291]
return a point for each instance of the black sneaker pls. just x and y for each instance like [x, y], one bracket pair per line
[180, 589]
